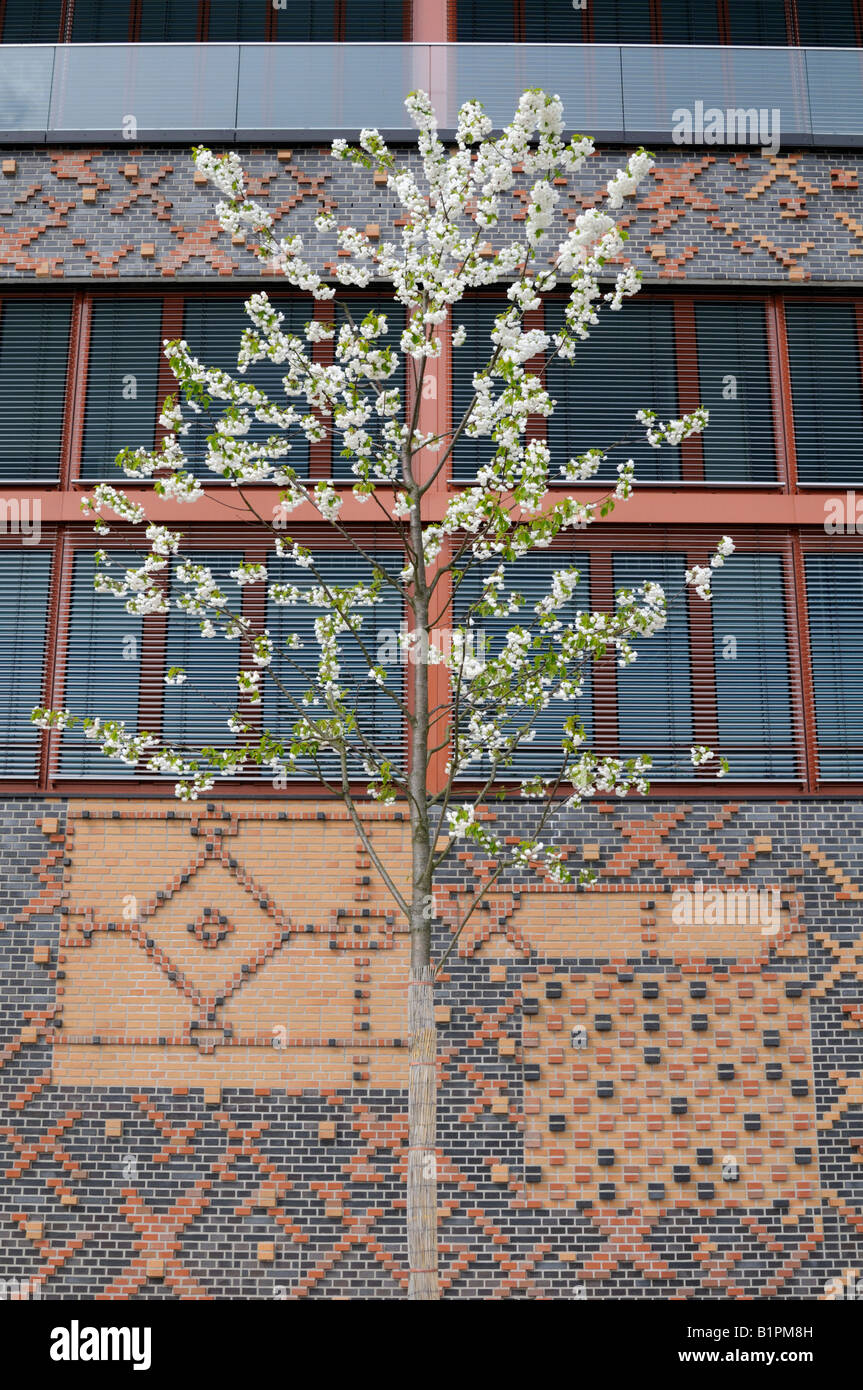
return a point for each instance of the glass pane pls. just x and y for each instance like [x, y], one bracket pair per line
[734, 383]
[183, 88]
[757, 21]
[709, 96]
[31, 21]
[101, 21]
[374, 21]
[531, 577]
[835, 78]
[25, 89]
[834, 586]
[213, 329]
[103, 666]
[626, 365]
[753, 687]
[304, 21]
[487, 21]
[690, 21]
[243, 21]
[25, 577]
[122, 383]
[196, 712]
[327, 87]
[378, 716]
[586, 77]
[34, 351]
[622, 21]
[824, 355]
[358, 308]
[175, 20]
[829, 22]
[654, 694]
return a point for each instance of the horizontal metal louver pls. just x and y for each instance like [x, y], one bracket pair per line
[31, 21]
[830, 23]
[100, 21]
[647, 356]
[689, 21]
[377, 714]
[532, 577]
[380, 20]
[25, 580]
[123, 365]
[834, 596]
[239, 20]
[34, 356]
[219, 21]
[477, 317]
[627, 364]
[395, 314]
[758, 21]
[622, 21]
[733, 381]
[102, 667]
[758, 729]
[196, 713]
[827, 390]
[177, 20]
[213, 329]
[742, 22]
[654, 694]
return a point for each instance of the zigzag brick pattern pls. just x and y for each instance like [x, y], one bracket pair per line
[137, 213]
[262, 1153]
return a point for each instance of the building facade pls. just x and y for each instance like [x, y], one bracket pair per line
[648, 1089]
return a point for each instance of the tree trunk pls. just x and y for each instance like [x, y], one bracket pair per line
[422, 1041]
[422, 1132]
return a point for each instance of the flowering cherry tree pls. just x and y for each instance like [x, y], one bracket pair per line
[485, 530]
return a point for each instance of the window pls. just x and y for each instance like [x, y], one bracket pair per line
[622, 21]
[733, 381]
[757, 22]
[378, 716]
[477, 317]
[654, 694]
[101, 21]
[381, 22]
[175, 21]
[196, 713]
[731, 691]
[358, 308]
[25, 579]
[757, 725]
[628, 364]
[742, 22]
[102, 668]
[824, 356]
[122, 383]
[530, 576]
[833, 23]
[34, 354]
[662, 355]
[213, 329]
[689, 21]
[31, 21]
[188, 21]
[834, 592]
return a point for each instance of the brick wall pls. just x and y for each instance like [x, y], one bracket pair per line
[136, 213]
[203, 1055]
